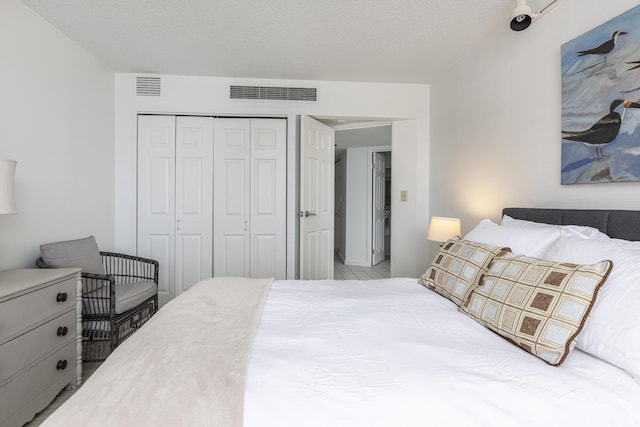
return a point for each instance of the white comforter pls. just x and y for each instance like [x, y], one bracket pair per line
[392, 353]
[341, 353]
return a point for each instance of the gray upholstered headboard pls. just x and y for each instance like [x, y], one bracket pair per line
[615, 223]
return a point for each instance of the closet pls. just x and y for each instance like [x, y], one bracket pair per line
[211, 198]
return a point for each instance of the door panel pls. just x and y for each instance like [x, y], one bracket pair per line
[160, 247]
[234, 184]
[265, 254]
[265, 174]
[377, 241]
[268, 183]
[235, 249]
[157, 185]
[231, 202]
[190, 259]
[194, 199]
[156, 197]
[316, 199]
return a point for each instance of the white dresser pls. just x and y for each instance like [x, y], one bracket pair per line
[40, 339]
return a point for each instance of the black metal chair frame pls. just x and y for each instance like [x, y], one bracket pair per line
[102, 328]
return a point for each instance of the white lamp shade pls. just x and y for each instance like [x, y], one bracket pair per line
[7, 174]
[442, 229]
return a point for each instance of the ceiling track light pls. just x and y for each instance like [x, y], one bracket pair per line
[522, 16]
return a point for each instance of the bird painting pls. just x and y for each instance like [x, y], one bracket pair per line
[601, 70]
[605, 130]
[605, 48]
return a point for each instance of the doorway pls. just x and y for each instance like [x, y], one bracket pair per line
[362, 221]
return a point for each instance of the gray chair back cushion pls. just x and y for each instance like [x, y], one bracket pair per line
[81, 253]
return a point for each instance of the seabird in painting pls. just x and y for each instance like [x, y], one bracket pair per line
[605, 48]
[604, 130]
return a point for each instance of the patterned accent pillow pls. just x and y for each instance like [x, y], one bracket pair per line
[458, 268]
[538, 305]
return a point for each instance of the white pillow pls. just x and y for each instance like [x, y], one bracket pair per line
[567, 230]
[612, 333]
[523, 241]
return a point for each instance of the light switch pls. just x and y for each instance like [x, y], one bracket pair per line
[403, 196]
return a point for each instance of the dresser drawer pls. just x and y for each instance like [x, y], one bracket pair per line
[24, 350]
[45, 377]
[23, 313]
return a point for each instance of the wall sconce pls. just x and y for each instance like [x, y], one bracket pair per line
[7, 174]
[442, 229]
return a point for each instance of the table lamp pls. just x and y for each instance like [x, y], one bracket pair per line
[442, 229]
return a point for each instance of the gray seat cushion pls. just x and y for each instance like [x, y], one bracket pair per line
[128, 296]
[81, 253]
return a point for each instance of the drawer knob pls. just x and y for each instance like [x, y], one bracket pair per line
[61, 297]
[62, 331]
[62, 364]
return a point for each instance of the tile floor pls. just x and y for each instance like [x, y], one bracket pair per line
[87, 369]
[350, 272]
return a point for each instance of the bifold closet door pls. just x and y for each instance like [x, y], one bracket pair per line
[231, 200]
[268, 223]
[175, 191]
[250, 198]
[194, 201]
[156, 197]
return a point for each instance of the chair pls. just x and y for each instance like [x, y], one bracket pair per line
[119, 292]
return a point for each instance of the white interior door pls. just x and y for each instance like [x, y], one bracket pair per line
[231, 172]
[267, 220]
[316, 199]
[377, 241]
[194, 204]
[156, 197]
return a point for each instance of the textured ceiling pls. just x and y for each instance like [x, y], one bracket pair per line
[350, 40]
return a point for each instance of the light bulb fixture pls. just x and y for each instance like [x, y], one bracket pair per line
[522, 16]
[7, 173]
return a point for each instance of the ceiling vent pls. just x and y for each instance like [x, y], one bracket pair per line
[273, 93]
[148, 86]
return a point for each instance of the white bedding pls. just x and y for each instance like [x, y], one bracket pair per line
[350, 353]
[392, 353]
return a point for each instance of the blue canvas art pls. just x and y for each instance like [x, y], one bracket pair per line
[601, 103]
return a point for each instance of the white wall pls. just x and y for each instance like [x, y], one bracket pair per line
[209, 95]
[57, 121]
[340, 204]
[357, 233]
[495, 125]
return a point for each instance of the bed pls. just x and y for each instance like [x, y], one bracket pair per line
[372, 353]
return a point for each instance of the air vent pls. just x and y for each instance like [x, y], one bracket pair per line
[148, 86]
[273, 93]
